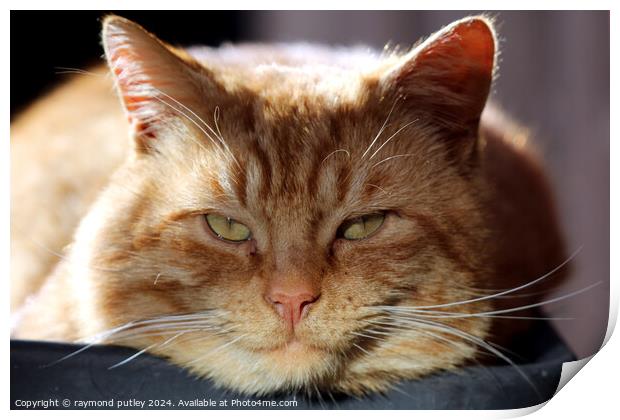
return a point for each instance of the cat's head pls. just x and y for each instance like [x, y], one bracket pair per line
[278, 223]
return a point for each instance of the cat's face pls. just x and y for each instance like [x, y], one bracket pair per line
[278, 233]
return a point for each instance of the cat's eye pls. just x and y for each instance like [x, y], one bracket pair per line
[361, 227]
[228, 229]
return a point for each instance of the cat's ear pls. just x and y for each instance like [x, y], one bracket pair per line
[448, 76]
[151, 78]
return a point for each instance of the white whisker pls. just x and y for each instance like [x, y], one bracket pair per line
[72, 70]
[192, 121]
[223, 346]
[216, 116]
[372, 143]
[442, 314]
[480, 342]
[379, 188]
[129, 359]
[162, 324]
[391, 137]
[505, 292]
[390, 158]
[361, 349]
[358, 334]
[334, 152]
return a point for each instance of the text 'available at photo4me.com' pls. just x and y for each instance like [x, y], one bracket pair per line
[133, 403]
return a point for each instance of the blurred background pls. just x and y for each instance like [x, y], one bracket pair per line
[553, 78]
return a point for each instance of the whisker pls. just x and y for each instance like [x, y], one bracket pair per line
[480, 342]
[391, 137]
[380, 130]
[129, 359]
[437, 314]
[331, 397]
[334, 152]
[159, 333]
[390, 158]
[400, 327]
[75, 353]
[141, 326]
[192, 121]
[422, 313]
[319, 397]
[159, 329]
[505, 292]
[402, 391]
[162, 319]
[174, 338]
[176, 101]
[379, 188]
[225, 148]
[361, 349]
[216, 116]
[409, 328]
[358, 334]
[219, 348]
[72, 70]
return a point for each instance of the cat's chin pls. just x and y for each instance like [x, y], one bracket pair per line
[292, 365]
[293, 353]
[292, 348]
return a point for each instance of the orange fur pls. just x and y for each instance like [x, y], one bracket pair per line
[291, 145]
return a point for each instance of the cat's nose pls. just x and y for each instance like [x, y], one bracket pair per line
[292, 307]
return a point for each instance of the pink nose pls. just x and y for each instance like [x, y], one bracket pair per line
[291, 308]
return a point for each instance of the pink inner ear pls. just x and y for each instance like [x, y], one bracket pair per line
[478, 43]
[450, 76]
[462, 56]
[141, 65]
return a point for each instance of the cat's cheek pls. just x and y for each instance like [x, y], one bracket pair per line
[345, 251]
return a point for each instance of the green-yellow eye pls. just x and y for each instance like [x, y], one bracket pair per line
[361, 227]
[227, 228]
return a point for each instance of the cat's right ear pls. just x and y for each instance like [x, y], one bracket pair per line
[155, 83]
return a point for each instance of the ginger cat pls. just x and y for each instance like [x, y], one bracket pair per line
[282, 217]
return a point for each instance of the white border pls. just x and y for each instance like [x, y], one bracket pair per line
[313, 5]
[594, 388]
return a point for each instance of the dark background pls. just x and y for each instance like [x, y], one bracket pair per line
[554, 78]
[43, 43]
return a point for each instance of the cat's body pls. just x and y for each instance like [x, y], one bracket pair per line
[294, 142]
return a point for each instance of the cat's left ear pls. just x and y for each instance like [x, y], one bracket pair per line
[156, 84]
[448, 77]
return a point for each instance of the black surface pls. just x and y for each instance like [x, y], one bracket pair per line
[87, 377]
[45, 43]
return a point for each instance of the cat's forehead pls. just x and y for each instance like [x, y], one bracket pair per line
[301, 136]
[293, 71]
[295, 170]
[299, 58]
